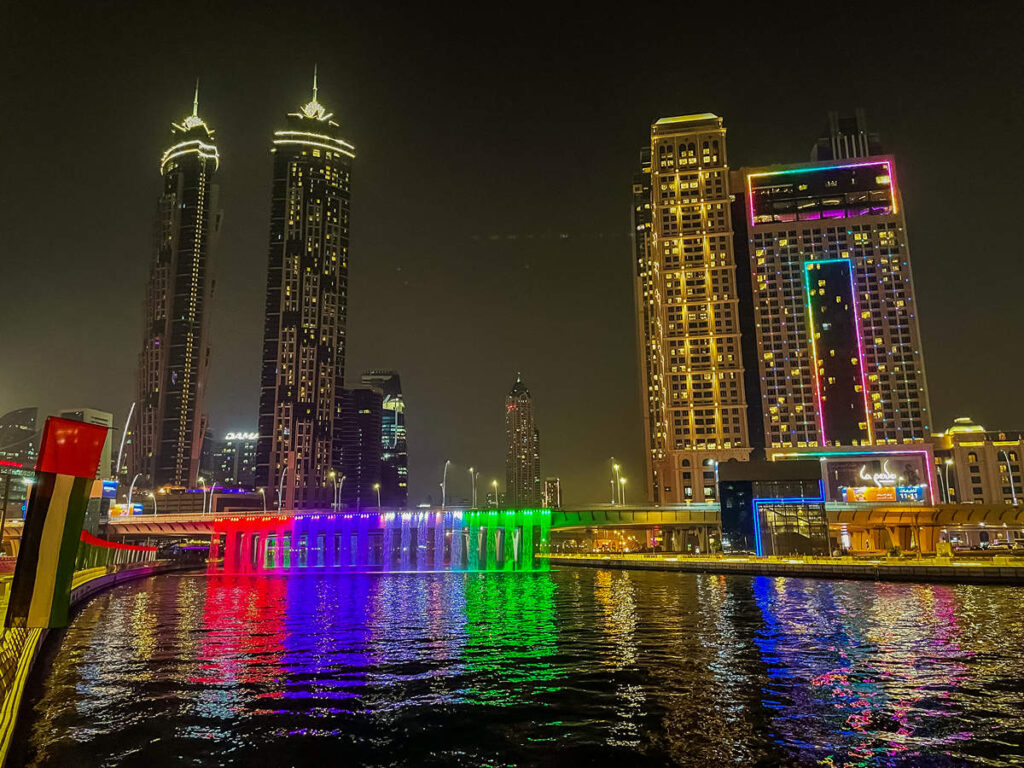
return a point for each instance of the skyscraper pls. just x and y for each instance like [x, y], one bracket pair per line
[360, 441]
[835, 312]
[306, 307]
[522, 457]
[394, 458]
[19, 448]
[175, 357]
[687, 309]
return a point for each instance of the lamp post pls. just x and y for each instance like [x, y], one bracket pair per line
[124, 434]
[212, 489]
[280, 486]
[153, 497]
[1009, 472]
[376, 487]
[334, 476]
[494, 485]
[132, 488]
[622, 486]
[472, 480]
[202, 482]
[263, 495]
[444, 484]
[341, 487]
[615, 479]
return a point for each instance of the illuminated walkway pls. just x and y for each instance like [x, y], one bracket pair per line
[999, 570]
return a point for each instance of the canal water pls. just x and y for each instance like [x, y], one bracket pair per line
[569, 668]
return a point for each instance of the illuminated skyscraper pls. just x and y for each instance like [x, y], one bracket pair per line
[394, 457]
[173, 365]
[687, 314]
[838, 344]
[522, 457]
[306, 307]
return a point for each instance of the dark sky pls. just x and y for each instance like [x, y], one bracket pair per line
[491, 191]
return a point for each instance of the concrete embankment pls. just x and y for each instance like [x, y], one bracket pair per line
[998, 571]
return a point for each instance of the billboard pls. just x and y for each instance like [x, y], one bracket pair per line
[898, 478]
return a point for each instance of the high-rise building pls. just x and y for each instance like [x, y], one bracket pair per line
[552, 493]
[230, 462]
[174, 361]
[687, 310]
[306, 307]
[394, 458]
[522, 457]
[19, 446]
[835, 313]
[101, 419]
[360, 440]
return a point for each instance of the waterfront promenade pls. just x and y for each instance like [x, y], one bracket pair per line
[999, 569]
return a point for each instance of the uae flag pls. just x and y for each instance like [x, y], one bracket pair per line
[68, 458]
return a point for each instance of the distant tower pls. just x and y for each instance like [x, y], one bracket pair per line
[522, 458]
[173, 364]
[394, 470]
[306, 308]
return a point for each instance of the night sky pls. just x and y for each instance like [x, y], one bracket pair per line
[491, 193]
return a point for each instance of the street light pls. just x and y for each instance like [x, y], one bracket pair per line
[622, 486]
[1009, 471]
[212, 489]
[263, 495]
[124, 434]
[615, 479]
[472, 480]
[376, 487]
[949, 463]
[444, 484]
[494, 485]
[334, 476]
[280, 487]
[202, 482]
[153, 497]
[130, 489]
[341, 487]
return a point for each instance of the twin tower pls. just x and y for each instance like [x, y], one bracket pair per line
[301, 385]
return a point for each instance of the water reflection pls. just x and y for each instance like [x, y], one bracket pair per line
[573, 667]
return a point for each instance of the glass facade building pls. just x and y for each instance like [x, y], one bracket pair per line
[394, 457]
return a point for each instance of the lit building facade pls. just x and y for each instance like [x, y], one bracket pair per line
[19, 446]
[394, 457]
[230, 462]
[306, 308]
[361, 444]
[552, 493]
[978, 466]
[174, 362]
[834, 308]
[522, 456]
[687, 310]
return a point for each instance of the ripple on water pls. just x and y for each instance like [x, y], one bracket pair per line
[574, 667]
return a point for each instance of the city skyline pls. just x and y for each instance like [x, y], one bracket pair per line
[525, 263]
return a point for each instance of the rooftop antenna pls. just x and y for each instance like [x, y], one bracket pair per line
[195, 101]
[314, 82]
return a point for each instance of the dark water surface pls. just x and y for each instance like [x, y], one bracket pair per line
[572, 667]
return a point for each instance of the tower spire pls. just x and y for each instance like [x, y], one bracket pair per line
[314, 81]
[195, 100]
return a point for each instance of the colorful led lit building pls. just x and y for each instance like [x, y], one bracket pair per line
[175, 357]
[834, 308]
[687, 300]
[394, 457]
[522, 455]
[306, 309]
